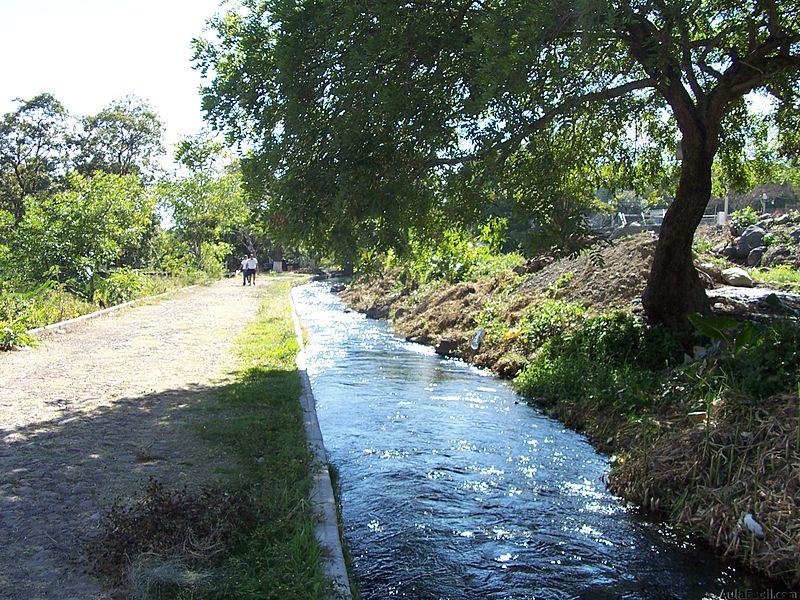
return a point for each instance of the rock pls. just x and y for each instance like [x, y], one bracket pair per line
[742, 248]
[776, 255]
[730, 252]
[713, 271]
[780, 220]
[378, 312]
[752, 237]
[399, 312]
[447, 347]
[737, 277]
[754, 258]
[338, 287]
[795, 234]
[765, 223]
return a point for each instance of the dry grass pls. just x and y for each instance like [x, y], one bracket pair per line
[153, 577]
[744, 459]
[164, 527]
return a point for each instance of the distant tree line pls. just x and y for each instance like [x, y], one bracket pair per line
[84, 196]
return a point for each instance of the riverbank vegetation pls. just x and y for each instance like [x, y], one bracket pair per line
[89, 219]
[702, 434]
[253, 534]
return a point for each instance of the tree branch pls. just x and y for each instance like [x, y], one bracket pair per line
[753, 70]
[505, 147]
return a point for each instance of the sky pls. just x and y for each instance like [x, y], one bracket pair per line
[88, 53]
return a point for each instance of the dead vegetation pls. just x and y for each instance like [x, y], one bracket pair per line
[170, 539]
[744, 459]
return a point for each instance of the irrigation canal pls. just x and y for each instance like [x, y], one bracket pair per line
[453, 488]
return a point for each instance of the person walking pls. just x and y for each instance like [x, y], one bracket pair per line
[252, 267]
[243, 268]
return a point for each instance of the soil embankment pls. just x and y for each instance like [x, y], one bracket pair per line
[446, 316]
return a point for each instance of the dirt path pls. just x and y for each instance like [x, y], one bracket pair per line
[92, 413]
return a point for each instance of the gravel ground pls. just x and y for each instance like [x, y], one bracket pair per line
[93, 412]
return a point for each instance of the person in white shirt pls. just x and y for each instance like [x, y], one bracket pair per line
[252, 267]
[244, 270]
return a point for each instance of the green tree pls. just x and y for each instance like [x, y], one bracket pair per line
[207, 206]
[125, 138]
[73, 234]
[360, 109]
[33, 151]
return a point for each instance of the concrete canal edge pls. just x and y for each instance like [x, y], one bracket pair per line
[322, 497]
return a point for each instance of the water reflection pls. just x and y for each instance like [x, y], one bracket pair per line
[451, 489]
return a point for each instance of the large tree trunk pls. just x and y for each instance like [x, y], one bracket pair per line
[674, 289]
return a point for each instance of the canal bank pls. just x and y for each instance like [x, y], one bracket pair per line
[453, 487]
[322, 496]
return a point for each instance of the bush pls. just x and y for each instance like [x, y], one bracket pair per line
[487, 264]
[744, 217]
[48, 303]
[778, 238]
[212, 258]
[458, 255]
[13, 334]
[767, 366]
[120, 286]
[612, 359]
[548, 319]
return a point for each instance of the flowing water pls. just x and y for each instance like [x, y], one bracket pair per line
[451, 487]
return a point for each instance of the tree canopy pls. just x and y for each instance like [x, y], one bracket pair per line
[33, 150]
[374, 115]
[124, 138]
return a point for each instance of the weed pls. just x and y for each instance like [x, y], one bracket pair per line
[785, 275]
[702, 246]
[13, 334]
[559, 284]
[744, 217]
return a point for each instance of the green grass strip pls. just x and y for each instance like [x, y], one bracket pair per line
[258, 420]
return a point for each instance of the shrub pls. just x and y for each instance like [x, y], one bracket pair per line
[767, 364]
[612, 359]
[487, 264]
[458, 255]
[548, 319]
[119, 286]
[744, 217]
[778, 238]
[13, 334]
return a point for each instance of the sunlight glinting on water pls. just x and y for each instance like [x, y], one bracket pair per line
[453, 488]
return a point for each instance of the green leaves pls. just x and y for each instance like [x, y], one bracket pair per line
[125, 138]
[83, 229]
[728, 331]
